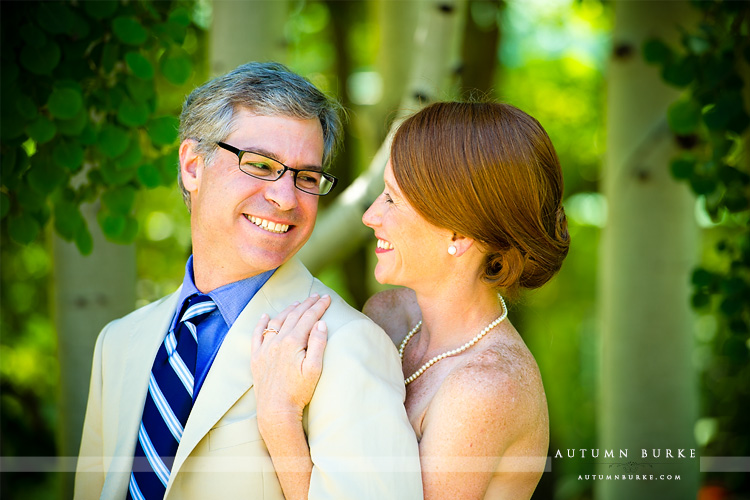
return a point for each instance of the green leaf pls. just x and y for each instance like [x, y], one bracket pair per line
[12, 124]
[68, 220]
[84, 241]
[149, 176]
[702, 277]
[110, 56]
[32, 35]
[79, 28]
[4, 205]
[739, 122]
[731, 305]
[23, 228]
[697, 45]
[41, 130]
[180, 16]
[173, 30]
[44, 176]
[68, 154]
[29, 199]
[167, 166]
[728, 105]
[75, 125]
[118, 228]
[113, 176]
[176, 66]
[119, 200]
[40, 61]
[88, 136]
[129, 30]
[684, 116]
[100, 10]
[112, 141]
[130, 158]
[703, 185]
[679, 73]
[139, 65]
[656, 51]
[65, 103]
[682, 168]
[129, 232]
[26, 107]
[736, 200]
[164, 130]
[700, 300]
[140, 90]
[112, 225]
[733, 285]
[54, 17]
[131, 113]
[14, 164]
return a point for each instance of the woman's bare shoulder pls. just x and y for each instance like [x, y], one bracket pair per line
[396, 311]
[501, 386]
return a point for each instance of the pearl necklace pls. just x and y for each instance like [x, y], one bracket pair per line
[446, 354]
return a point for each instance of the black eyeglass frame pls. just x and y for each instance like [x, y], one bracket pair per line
[239, 152]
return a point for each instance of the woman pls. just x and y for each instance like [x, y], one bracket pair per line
[471, 208]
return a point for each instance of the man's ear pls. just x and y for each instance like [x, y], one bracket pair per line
[191, 165]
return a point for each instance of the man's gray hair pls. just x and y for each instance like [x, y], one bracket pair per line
[268, 89]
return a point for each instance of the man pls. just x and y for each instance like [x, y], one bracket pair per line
[176, 373]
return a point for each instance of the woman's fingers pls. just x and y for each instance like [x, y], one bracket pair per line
[316, 345]
[303, 319]
[257, 338]
[279, 319]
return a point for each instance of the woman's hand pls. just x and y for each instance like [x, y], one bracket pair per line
[287, 360]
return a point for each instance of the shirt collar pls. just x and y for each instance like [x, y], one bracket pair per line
[230, 299]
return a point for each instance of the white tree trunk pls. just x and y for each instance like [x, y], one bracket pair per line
[89, 291]
[247, 31]
[648, 387]
[436, 51]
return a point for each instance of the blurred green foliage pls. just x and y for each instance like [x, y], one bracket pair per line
[81, 117]
[711, 122]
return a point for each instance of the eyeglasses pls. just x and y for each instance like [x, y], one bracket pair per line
[261, 167]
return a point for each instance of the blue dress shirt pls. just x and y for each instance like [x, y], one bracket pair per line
[230, 300]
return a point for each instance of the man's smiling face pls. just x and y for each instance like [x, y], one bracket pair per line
[243, 226]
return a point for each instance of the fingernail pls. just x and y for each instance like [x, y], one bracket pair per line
[326, 296]
[264, 316]
[321, 326]
[295, 303]
[314, 294]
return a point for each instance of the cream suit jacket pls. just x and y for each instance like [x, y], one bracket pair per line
[361, 442]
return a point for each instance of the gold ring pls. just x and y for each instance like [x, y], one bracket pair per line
[269, 330]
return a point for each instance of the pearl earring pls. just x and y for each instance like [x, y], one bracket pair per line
[452, 249]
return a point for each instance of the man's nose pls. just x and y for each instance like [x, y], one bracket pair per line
[282, 192]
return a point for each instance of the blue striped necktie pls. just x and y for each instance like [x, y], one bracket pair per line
[168, 403]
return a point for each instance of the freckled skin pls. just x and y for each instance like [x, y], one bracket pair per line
[488, 399]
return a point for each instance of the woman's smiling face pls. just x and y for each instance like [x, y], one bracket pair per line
[409, 248]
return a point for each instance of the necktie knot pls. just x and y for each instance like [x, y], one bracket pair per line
[199, 306]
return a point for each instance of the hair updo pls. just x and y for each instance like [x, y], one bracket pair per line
[487, 171]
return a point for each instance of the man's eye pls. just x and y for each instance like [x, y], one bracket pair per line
[308, 178]
[258, 168]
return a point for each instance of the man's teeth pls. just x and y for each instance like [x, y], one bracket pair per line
[385, 245]
[268, 225]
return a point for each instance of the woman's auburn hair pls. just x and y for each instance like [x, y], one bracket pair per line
[487, 171]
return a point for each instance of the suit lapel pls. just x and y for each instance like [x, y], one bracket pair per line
[230, 377]
[139, 351]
